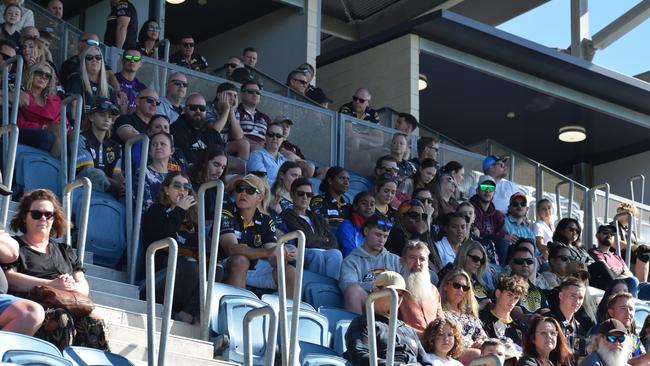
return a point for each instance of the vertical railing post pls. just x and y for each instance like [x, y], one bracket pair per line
[85, 210]
[205, 299]
[10, 162]
[570, 206]
[539, 185]
[289, 341]
[133, 219]
[68, 171]
[630, 230]
[272, 335]
[151, 299]
[557, 198]
[593, 198]
[632, 179]
[15, 98]
[392, 325]
[511, 173]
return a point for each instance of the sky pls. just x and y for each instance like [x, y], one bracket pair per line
[550, 25]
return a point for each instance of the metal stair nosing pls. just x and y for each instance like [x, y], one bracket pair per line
[139, 320]
[135, 352]
[121, 302]
[113, 287]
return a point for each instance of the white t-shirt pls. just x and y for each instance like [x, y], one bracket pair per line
[445, 251]
[439, 361]
[541, 229]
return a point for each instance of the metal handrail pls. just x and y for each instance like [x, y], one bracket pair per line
[289, 342]
[558, 201]
[392, 325]
[170, 278]
[15, 100]
[87, 186]
[632, 179]
[133, 221]
[9, 165]
[592, 201]
[68, 170]
[206, 299]
[630, 230]
[271, 337]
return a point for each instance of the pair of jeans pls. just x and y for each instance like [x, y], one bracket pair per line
[36, 137]
[324, 261]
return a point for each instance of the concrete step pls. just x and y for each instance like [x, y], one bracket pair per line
[138, 353]
[105, 273]
[137, 320]
[176, 344]
[113, 287]
[121, 302]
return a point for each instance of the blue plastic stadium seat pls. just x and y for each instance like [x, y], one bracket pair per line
[359, 183]
[315, 183]
[220, 290]
[324, 294]
[314, 359]
[14, 341]
[232, 310]
[33, 358]
[36, 168]
[106, 236]
[312, 327]
[339, 335]
[307, 348]
[83, 356]
[310, 277]
[333, 316]
[274, 301]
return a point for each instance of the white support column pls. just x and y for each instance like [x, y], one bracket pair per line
[579, 27]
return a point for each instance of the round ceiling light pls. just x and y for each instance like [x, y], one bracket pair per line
[422, 82]
[572, 134]
[175, 2]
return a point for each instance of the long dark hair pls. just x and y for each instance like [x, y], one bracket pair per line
[332, 173]
[557, 234]
[197, 171]
[561, 355]
[426, 163]
[142, 34]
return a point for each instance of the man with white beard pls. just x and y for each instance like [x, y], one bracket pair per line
[423, 304]
[612, 345]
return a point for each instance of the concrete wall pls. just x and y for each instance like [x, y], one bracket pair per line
[281, 39]
[389, 71]
[618, 172]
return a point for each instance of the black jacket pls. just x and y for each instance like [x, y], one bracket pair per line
[317, 234]
[408, 348]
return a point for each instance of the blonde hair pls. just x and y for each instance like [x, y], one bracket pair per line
[468, 305]
[102, 84]
[628, 207]
[50, 89]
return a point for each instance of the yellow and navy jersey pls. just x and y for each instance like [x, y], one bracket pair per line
[254, 234]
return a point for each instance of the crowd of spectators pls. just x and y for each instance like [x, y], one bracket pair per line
[475, 276]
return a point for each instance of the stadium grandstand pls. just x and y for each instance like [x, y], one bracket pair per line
[319, 182]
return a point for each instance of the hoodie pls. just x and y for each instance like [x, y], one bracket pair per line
[490, 223]
[361, 268]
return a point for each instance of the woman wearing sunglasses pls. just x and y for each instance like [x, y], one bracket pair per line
[568, 232]
[444, 187]
[460, 307]
[472, 259]
[42, 261]
[92, 81]
[173, 214]
[148, 38]
[268, 159]
[38, 112]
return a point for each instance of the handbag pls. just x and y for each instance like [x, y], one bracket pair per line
[77, 304]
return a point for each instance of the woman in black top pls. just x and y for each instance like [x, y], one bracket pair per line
[148, 38]
[173, 214]
[545, 345]
[568, 232]
[41, 261]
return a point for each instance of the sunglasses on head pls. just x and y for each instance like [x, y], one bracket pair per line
[196, 107]
[36, 214]
[276, 135]
[518, 204]
[179, 83]
[43, 74]
[94, 57]
[384, 225]
[151, 100]
[487, 187]
[459, 286]
[416, 216]
[90, 41]
[303, 194]
[614, 339]
[133, 58]
[248, 189]
[522, 261]
[359, 100]
[188, 45]
[184, 186]
[476, 258]
[252, 91]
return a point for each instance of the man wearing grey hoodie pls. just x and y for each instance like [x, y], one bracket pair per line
[365, 262]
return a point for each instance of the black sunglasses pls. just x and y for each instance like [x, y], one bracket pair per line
[43, 74]
[151, 100]
[417, 216]
[196, 107]
[188, 45]
[232, 66]
[303, 194]
[276, 135]
[458, 286]
[425, 200]
[522, 261]
[476, 258]
[360, 100]
[179, 83]
[252, 91]
[518, 204]
[94, 57]
[179, 185]
[607, 232]
[248, 189]
[36, 214]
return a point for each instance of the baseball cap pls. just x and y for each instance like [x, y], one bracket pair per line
[282, 118]
[102, 105]
[518, 195]
[226, 86]
[486, 178]
[491, 159]
[609, 227]
[390, 279]
[611, 326]
[253, 181]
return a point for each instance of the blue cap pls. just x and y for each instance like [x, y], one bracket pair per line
[490, 160]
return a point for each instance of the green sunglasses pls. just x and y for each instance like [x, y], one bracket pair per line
[487, 187]
[133, 58]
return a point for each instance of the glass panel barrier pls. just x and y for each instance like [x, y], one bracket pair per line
[65, 35]
[472, 163]
[614, 202]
